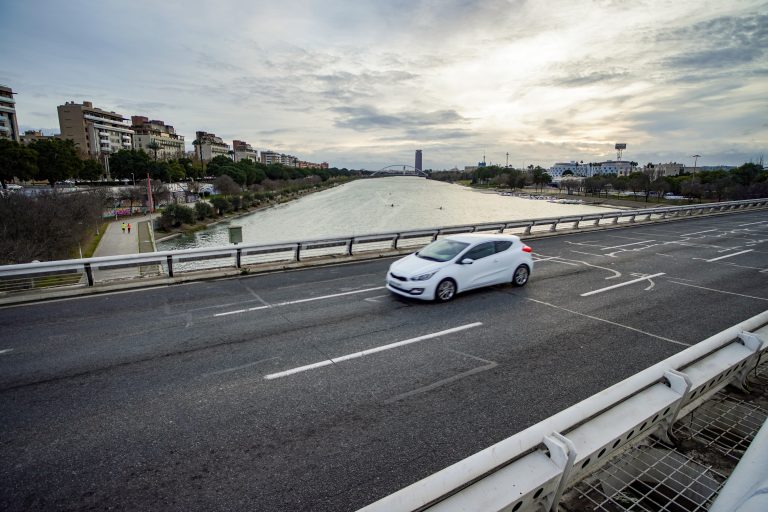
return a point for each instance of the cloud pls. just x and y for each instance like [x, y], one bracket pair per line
[365, 118]
[723, 42]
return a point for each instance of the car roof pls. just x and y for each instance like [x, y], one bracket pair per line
[475, 238]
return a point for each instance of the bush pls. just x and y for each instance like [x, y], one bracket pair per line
[221, 205]
[204, 210]
[175, 215]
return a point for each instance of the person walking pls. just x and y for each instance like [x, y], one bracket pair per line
[123, 226]
[129, 227]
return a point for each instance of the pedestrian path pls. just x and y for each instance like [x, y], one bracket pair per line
[115, 242]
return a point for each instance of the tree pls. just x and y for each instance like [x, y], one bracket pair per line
[154, 147]
[159, 192]
[16, 162]
[92, 170]
[216, 164]
[57, 159]
[127, 162]
[226, 186]
[571, 185]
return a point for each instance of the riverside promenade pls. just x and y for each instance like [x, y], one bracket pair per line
[115, 242]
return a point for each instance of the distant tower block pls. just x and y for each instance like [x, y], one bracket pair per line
[620, 146]
[418, 160]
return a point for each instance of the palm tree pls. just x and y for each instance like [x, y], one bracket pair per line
[155, 147]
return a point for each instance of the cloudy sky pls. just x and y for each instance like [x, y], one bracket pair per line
[363, 83]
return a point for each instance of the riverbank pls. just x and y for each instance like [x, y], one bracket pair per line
[162, 235]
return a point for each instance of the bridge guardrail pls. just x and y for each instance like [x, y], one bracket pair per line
[88, 272]
[530, 470]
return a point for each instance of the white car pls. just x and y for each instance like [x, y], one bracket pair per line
[458, 263]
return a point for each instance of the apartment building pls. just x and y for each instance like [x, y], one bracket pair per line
[155, 132]
[31, 136]
[244, 150]
[95, 132]
[9, 126]
[270, 157]
[210, 146]
[288, 160]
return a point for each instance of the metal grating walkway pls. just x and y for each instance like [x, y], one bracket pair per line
[653, 477]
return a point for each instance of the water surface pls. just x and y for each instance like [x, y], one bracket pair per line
[380, 205]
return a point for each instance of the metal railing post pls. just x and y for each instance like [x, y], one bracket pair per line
[349, 246]
[88, 273]
[297, 252]
[169, 260]
[528, 228]
[394, 241]
[237, 258]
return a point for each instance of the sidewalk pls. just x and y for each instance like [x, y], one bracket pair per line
[116, 242]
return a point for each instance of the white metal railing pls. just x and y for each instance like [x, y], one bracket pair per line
[29, 277]
[530, 470]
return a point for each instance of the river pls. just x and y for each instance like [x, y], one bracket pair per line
[379, 205]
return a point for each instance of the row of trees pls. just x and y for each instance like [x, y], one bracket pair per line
[746, 181]
[55, 160]
[51, 160]
[497, 176]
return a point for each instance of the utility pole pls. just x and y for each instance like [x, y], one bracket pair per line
[695, 160]
[507, 159]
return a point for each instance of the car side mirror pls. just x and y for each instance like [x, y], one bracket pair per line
[467, 261]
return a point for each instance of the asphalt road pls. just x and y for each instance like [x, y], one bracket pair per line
[198, 396]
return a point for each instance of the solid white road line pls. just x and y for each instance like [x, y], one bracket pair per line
[719, 291]
[609, 322]
[5, 351]
[729, 255]
[370, 351]
[698, 232]
[593, 292]
[300, 301]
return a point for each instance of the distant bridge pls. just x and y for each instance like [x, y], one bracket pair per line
[398, 170]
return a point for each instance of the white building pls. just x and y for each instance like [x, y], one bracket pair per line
[210, 146]
[154, 131]
[575, 168]
[9, 128]
[243, 151]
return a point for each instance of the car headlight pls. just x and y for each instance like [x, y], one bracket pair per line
[423, 277]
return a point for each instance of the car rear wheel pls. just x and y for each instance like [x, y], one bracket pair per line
[445, 291]
[521, 275]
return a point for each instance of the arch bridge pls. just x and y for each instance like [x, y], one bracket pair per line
[398, 170]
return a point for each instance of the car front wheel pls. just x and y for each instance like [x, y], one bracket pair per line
[445, 291]
[521, 275]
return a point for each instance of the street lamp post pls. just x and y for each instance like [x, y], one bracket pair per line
[695, 160]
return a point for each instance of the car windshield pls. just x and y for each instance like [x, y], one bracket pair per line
[442, 250]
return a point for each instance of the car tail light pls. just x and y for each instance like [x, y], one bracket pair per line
[526, 248]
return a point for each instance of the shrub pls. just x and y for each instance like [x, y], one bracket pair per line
[221, 205]
[204, 210]
[175, 215]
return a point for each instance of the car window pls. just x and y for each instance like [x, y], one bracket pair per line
[441, 250]
[502, 246]
[481, 251]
